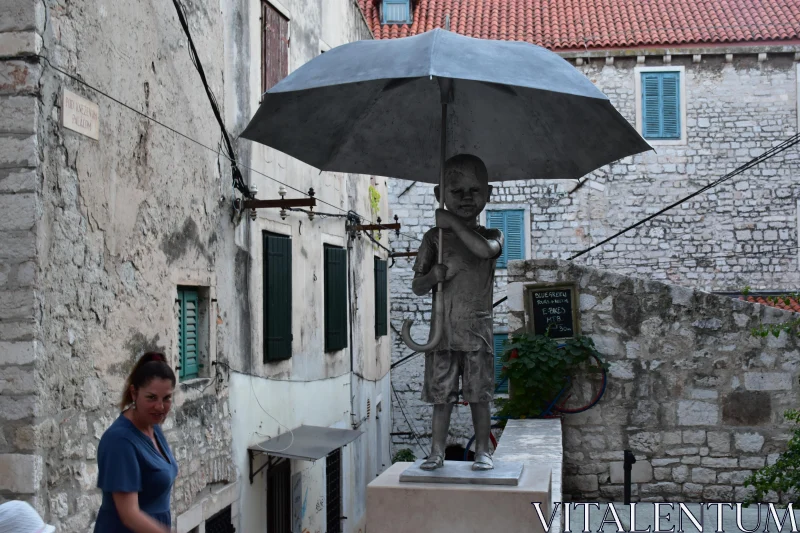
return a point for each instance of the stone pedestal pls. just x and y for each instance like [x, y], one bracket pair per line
[395, 507]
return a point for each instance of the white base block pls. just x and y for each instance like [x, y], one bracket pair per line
[394, 507]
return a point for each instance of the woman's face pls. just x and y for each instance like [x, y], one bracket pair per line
[153, 400]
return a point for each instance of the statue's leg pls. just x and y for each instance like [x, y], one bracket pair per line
[439, 431]
[482, 422]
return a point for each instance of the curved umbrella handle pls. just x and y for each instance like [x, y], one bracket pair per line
[436, 332]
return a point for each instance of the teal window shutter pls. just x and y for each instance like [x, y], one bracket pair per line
[661, 109]
[396, 12]
[512, 223]
[335, 298]
[277, 297]
[499, 339]
[187, 333]
[381, 298]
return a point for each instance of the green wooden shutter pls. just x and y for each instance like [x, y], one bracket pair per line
[381, 298]
[188, 332]
[497, 220]
[670, 106]
[661, 110]
[514, 235]
[499, 338]
[512, 223]
[651, 105]
[335, 298]
[277, 297]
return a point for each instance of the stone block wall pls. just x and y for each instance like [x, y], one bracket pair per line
[22, 466]
[741, 233]
[691, 392]
[95, 237]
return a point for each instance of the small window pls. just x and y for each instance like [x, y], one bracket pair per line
[512, 223]
[335, 259]
[397, 11]
[333, 491]
[277, 297]
[661, 106]
[188, 332]
[381, 298]
[500, 385]
[274, 46]
[220, 522]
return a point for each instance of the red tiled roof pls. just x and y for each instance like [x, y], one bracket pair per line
[582, 24]
[781, 302]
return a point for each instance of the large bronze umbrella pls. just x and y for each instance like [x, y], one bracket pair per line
[401, 107]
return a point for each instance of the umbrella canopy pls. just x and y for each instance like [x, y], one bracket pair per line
[374, 107]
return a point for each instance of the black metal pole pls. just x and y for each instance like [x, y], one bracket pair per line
[627, 465]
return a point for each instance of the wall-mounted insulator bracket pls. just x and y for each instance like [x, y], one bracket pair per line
[394, 255]
[282, 204]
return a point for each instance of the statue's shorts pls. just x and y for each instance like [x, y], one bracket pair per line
[443, 368]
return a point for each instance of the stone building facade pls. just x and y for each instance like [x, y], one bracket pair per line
[97, 236]
[695, 396]
[739, 101]
[103, 231]
[346, 387]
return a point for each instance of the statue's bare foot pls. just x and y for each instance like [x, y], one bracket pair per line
[483, 461]
[433, 462]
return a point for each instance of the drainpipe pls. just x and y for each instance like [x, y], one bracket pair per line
[354, 422]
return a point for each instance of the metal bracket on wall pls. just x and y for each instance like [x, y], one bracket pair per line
[283, 203]
[378, 226]
[395, 255]
[271, 462]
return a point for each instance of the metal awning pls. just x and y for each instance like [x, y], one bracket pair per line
[306, 443]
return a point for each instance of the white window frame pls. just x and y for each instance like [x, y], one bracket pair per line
[637, 73]
[526, 208]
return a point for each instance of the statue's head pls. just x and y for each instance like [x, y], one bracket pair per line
[466, 186]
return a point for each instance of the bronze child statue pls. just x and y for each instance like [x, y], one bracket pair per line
[465, 350]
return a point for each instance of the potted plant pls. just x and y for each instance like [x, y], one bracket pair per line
[547, 374]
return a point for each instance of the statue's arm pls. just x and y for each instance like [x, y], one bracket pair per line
[424, 283]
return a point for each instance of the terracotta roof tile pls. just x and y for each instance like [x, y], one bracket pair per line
[581, 24]
[781, 302]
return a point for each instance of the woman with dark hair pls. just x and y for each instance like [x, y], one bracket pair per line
[136, 466]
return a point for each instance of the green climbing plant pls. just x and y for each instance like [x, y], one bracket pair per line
[783, 476]
[537, 367]
[404, 456]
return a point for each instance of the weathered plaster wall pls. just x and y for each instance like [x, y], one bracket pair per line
[691, 392]
[340, 389]
[118, 224]
[741, 233]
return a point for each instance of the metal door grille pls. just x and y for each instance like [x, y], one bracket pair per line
[279, 504]
[220, 522]
[333, 492]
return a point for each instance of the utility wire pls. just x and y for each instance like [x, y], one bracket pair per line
[198, 143]
[238, 181]
[772, 152]
[408, 422]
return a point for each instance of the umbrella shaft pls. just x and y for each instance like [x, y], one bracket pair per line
[442, 152]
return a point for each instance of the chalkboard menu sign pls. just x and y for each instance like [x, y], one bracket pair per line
[551, 309]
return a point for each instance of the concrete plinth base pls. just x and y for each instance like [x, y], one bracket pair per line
[503, 473]
[395, 507]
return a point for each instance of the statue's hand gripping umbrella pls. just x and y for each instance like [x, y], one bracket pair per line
[401, 107]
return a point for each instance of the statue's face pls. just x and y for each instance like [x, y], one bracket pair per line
[465, 194]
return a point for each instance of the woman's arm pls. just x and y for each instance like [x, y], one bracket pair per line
[127, 504]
